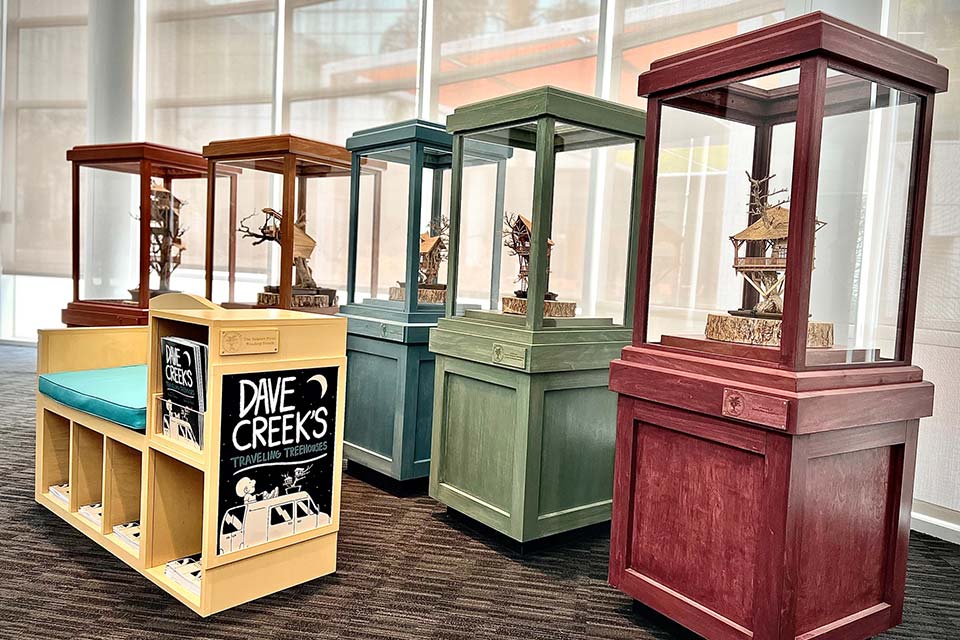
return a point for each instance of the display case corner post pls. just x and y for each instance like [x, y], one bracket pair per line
[645, 224]
[289, 180]
[75, 232]
[917, 197]
[633, 239]
[806, 168]
[498, 211]
[146, 176]
[211, 215]
[542, 218]
[411, 302]
[354, 225]
[453, 246]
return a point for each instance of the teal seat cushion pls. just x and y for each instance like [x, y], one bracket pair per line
[117, 394]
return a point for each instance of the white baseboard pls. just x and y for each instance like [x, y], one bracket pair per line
[936, 521]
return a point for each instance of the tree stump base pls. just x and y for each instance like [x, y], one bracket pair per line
[551, 308]
[299, 300]
[763, 331]
[436, 294]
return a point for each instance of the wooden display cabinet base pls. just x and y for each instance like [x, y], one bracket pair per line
[102, 313]
[389, 406]
[390, 377]
[795, 488]
[523, 434]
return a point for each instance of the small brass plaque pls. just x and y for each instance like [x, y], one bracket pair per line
[509, 355]
[770, 411]
[235, 342]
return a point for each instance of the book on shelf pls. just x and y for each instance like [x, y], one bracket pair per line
[184, 390]
[129, 533]
[61, 493]
[186, 572]
[92, 512]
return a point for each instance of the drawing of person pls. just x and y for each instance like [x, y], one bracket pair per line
[246, 489]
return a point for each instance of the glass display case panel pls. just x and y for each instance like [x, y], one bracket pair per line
[382, 224]
[491, 193]
[244, 260]
[110, 233]
[224, 235]
[589, 240]
[434, 228]
[327, 205]
[586, 254]
[867, 144]
[721, 211]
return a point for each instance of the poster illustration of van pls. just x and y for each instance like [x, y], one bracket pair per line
[276, 455]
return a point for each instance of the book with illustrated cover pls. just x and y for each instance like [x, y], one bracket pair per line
[92, 512]
[61, 493]
[186, 572]
[129, 533]
[184, 376]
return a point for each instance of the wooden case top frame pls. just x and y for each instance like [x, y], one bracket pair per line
[535, 119]
[709, 80]
[147, 160]
[293, 157]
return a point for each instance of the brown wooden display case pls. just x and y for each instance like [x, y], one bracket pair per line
[147, 161]
[765, 491]
[296, 161]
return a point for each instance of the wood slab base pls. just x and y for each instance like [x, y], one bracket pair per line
[762, 331]
[300, 302]
[426, 296]
[551, 308]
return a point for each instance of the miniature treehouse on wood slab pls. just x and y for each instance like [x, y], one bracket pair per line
[517, 233]
[523, 420]
[271, 257]
[110, 288]
[790, 444]
[760, 257]
[396, 289]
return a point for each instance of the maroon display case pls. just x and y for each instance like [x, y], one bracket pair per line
[763, 489]
[146, 166]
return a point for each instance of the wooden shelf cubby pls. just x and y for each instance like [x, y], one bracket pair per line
[252, 543]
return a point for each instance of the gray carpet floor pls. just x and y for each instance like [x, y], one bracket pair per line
[406, 569]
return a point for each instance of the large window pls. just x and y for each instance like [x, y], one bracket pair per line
[934, 26]
[485, 49]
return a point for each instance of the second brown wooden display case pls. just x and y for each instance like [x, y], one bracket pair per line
[283, 220]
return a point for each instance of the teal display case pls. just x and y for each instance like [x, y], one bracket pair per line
[524, 425]
[396, 291]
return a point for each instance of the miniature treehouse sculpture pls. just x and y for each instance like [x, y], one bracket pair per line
[166, 236]
[433, 251]
[760, 256]
[306, 293]
[517, 233]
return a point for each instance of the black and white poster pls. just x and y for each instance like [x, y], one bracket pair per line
[277, 440]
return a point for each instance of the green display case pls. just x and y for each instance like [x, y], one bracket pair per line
[524, 425]
[396, 291]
